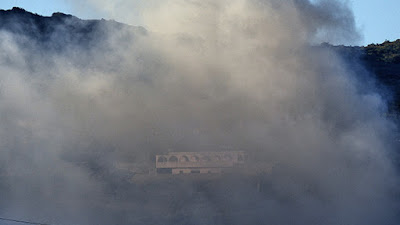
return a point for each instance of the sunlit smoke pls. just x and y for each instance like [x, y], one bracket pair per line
[206, 75]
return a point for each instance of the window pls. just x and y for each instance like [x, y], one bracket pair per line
[217, 158]
[162, 159]
[194, 158]
[184, 158]
[173, 159]
[206, 158]
[227, 157]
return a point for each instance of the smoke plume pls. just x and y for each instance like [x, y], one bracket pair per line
[205, 75]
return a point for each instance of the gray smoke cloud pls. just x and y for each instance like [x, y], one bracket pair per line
[206, 75]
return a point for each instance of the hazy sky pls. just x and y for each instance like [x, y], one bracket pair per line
[376, 19]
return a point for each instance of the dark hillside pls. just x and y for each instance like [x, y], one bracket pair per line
[59, 31]
[382, 61]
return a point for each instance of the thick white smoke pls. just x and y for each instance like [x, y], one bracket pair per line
[206, 75]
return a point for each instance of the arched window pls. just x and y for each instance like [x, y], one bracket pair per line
[162, 159]
[194, 158]
[206, 158]
[184, 158]
[173, 159]
[216, 158]
[227, 157]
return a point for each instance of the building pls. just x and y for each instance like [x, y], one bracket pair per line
[199, 162]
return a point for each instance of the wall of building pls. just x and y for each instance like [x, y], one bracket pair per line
[199, 162]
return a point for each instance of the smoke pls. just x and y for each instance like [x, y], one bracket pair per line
[206, 75]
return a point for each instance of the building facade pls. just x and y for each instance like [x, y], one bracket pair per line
[199, 162]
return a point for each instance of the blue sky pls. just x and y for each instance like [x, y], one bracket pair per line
[378, 20]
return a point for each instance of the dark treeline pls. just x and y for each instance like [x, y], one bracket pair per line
[383, 61]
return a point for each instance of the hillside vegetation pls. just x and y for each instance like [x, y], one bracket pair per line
[381, 61]
[387, 52]
[384, 61]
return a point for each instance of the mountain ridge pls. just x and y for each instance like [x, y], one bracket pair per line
[60, 32]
